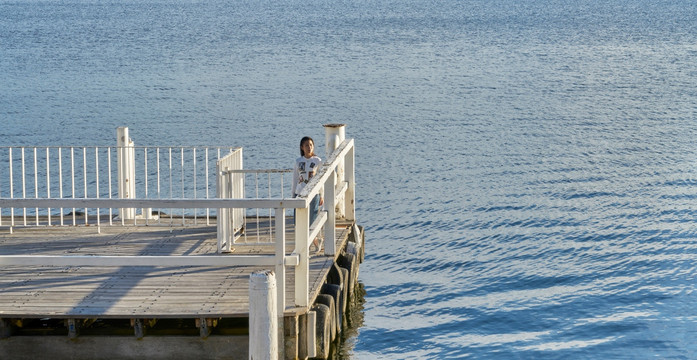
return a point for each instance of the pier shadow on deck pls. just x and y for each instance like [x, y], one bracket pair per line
[138, 292]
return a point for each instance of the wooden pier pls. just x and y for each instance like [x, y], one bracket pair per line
[109, 271]
[185, 309]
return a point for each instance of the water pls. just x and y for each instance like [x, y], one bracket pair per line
[526, 170]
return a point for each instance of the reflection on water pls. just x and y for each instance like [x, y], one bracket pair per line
[342, 349]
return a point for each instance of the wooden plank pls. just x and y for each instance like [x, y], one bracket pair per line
[141, 291]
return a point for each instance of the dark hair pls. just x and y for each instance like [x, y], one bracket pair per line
[302, 141]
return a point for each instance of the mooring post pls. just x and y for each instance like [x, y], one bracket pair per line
[263, 322]
[125, 158]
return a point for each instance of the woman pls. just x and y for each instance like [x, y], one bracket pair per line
[306, 167]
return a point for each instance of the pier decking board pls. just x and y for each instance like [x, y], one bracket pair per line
[137, 291]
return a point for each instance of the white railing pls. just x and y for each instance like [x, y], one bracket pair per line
[89, 172]
[229, 186]
[268, 183]
[338, 194]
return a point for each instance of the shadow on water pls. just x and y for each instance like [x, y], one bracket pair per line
[342, 348]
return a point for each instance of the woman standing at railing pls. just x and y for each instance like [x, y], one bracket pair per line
[307, 166]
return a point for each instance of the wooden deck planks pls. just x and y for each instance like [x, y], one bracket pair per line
[135, 292]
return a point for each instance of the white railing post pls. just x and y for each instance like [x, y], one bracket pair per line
[280, 270]
[12, 194]
[330, 224]
[302, 270]
[223, 219]
[238, 215]
[48, 184]
[126, 171]
[263, 320]
[350, 196]
[334, 136]
[229, 185]
[280, 258]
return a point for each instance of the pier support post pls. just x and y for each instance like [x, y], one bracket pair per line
[5, 328]
[291, 343]
[73, 328]
[138, 328]
[310, 326]
[205, 326]
[125, 159]
[263, 322]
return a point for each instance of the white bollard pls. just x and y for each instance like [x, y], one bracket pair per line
[334, 135]
[263, 322]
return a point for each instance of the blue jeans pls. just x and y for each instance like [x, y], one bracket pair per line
[314, 209]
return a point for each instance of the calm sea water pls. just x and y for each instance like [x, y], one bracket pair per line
[526, 174]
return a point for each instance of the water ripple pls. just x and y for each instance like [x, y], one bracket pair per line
[525, 171]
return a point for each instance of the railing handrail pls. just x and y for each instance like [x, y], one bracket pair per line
[174, 203]
[122, 146]
[258, 171]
